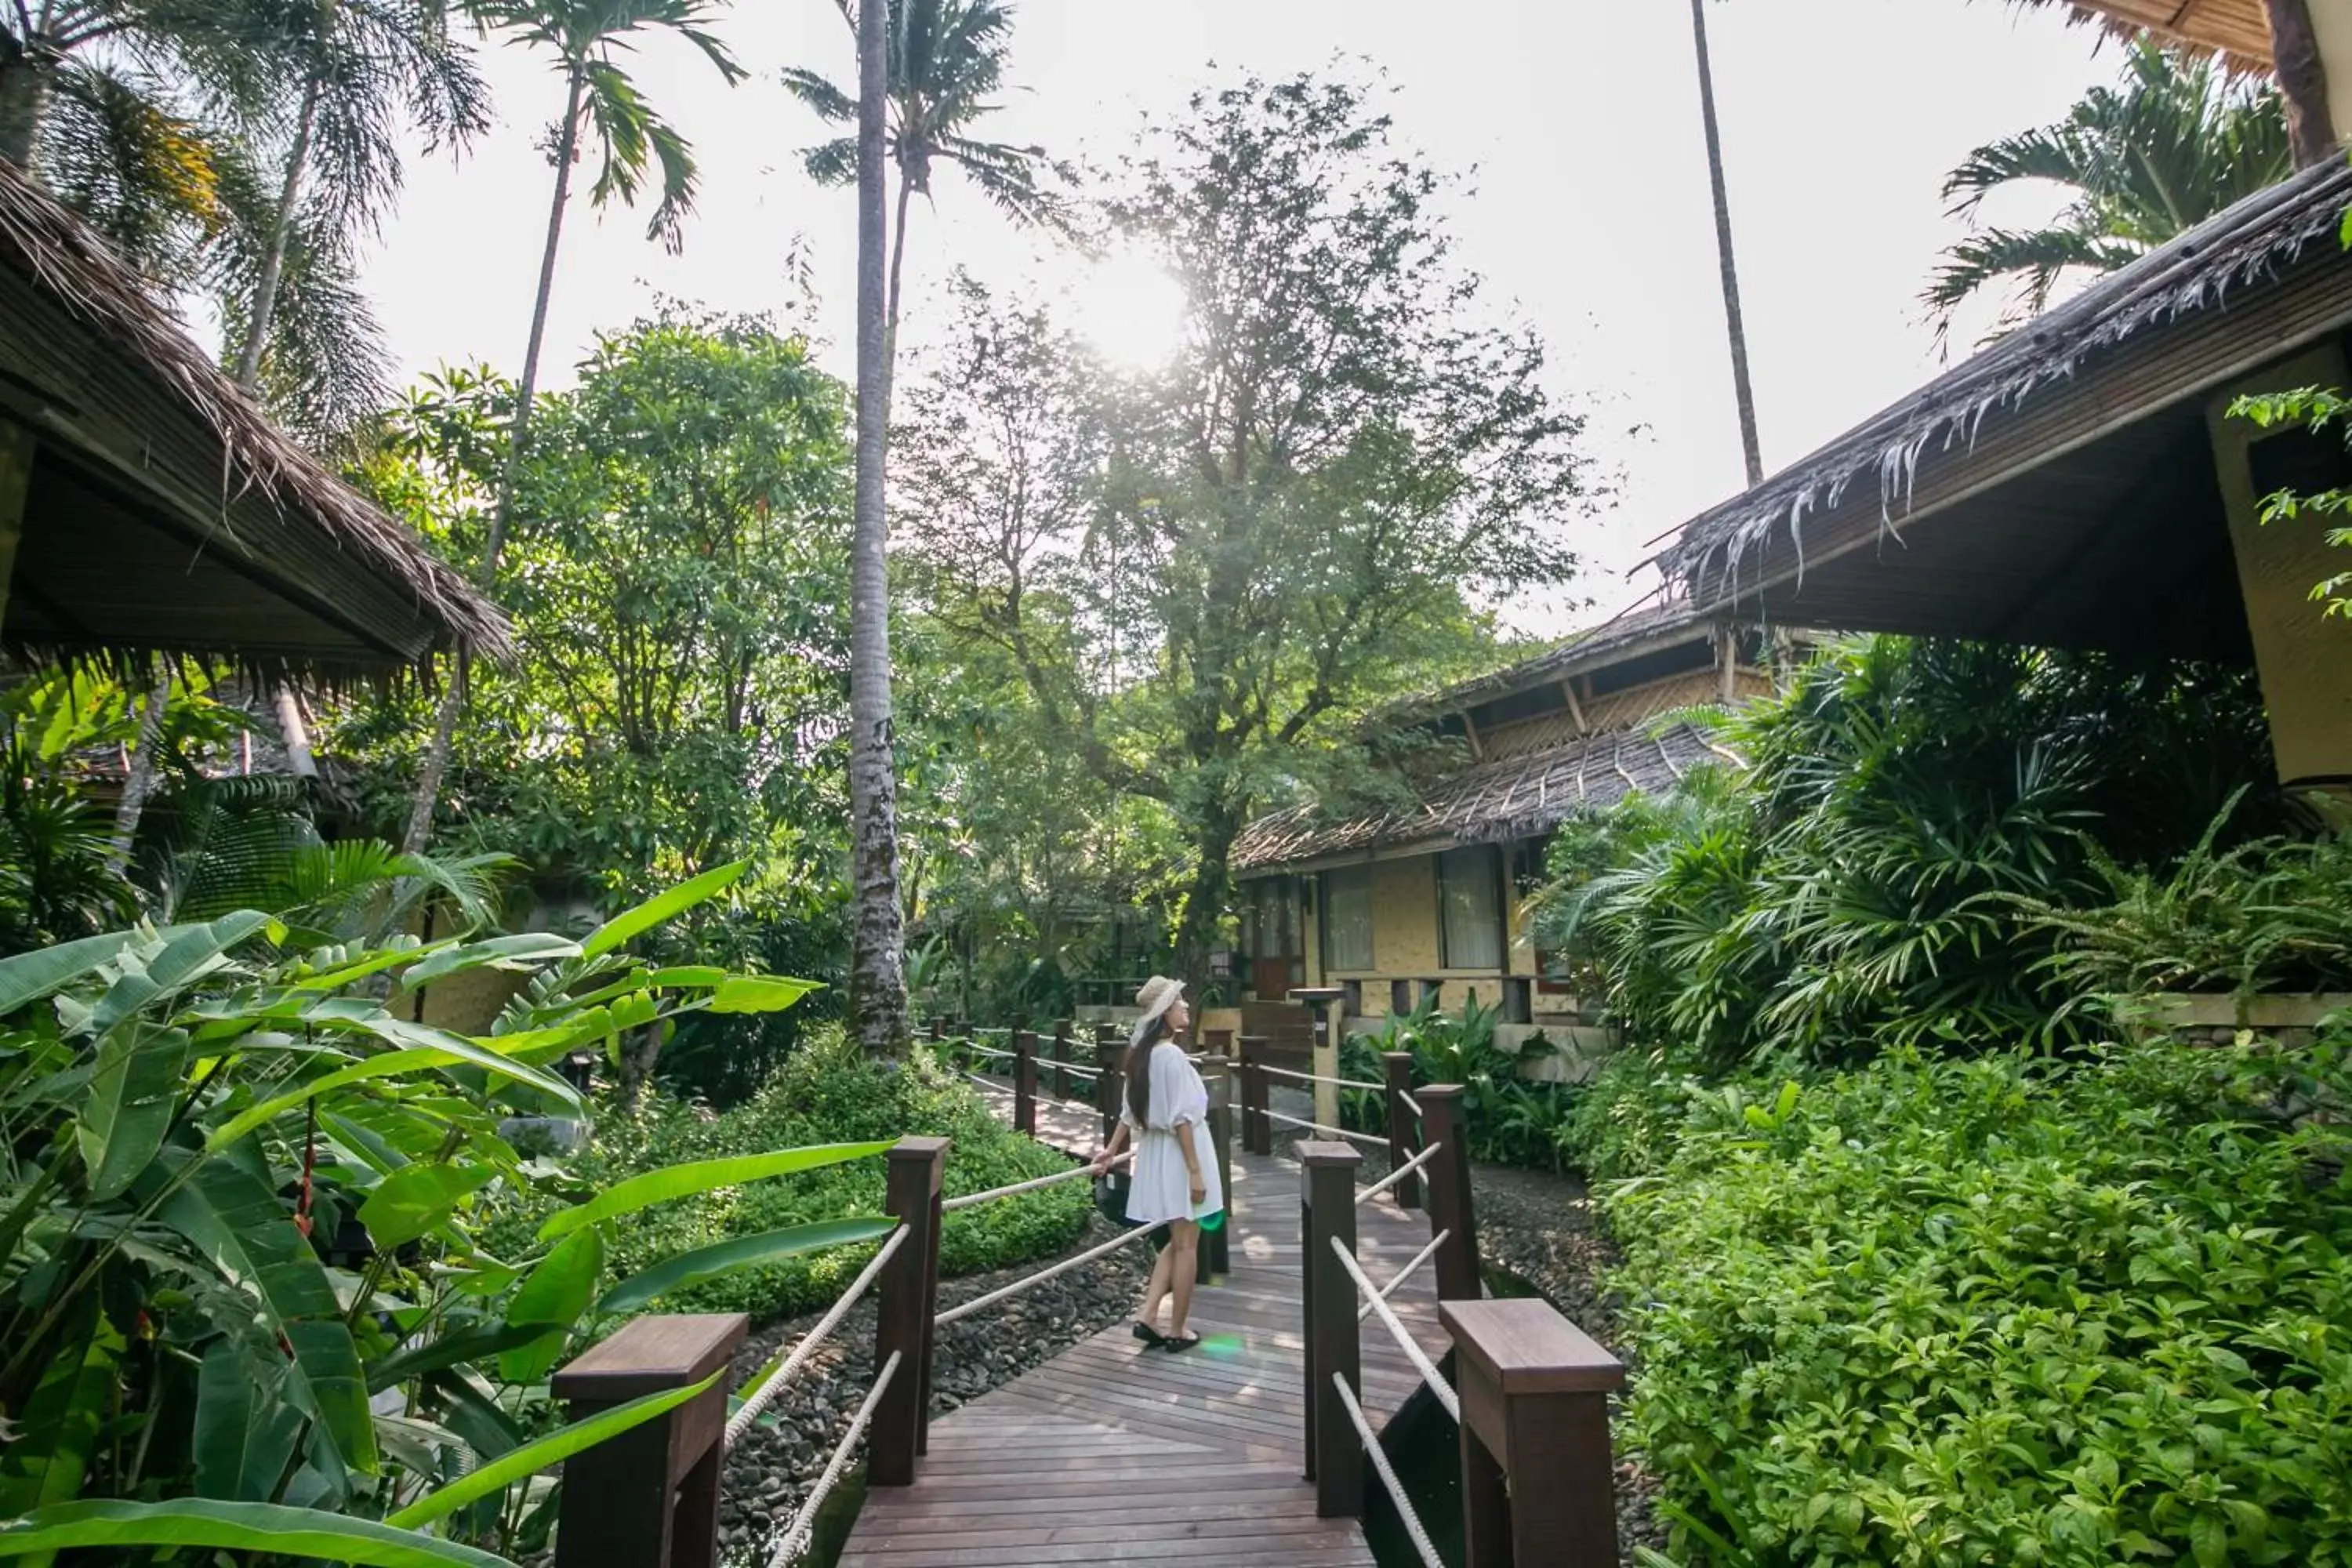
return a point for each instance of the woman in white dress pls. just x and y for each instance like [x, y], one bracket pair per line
[1165, 1115]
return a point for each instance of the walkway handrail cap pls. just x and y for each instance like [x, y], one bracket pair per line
[1312, 1152]
[1522, 1345]
[933, 1150]
[651, 1354]
[1438, 1091]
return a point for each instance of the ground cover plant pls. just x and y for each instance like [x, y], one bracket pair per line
[828, 1091]
[1511, 1119]
[2002, 1310]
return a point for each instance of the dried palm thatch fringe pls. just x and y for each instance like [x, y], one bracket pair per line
[73, 264]
[1517, 797]
[2238, 248]
[2237, 30]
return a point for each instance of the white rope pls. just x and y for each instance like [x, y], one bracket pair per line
[986, 1050]
[1410, 1103]
[1372, 1450]
[1407, 1272]
[985, 1082]
[771, 1382]
[971, 1200]
[795, 1540]
[1318, 1127]
[967, 1309]
[1310, 1078]
[1399, 1175]
[1412, 1352]
[1076, 1070]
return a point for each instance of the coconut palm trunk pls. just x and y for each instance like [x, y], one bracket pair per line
[28, 81]
[2303, 81]
[445, 721]
[264, 306]
[1748, 446]
[877, 993]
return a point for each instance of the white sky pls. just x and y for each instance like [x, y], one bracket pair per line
[1589, 215]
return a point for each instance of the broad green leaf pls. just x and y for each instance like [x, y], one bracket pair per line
[390, 955]
[401, 1033]
[459, 1347]
[416, 1198]
[389, 1065]
[192, 952]
[663, 907]
[553, 1449]
[523, 948]
[742, 1252]
[246, 1431]
[554, 1296]
[28, 976]
[690, 974]
[330, 1360]
[759, 994]
[255, 1527]
[128, 1108]
[59, 1426]
[674, 1182]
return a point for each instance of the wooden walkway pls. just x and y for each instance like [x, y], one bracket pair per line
[1114, 1452]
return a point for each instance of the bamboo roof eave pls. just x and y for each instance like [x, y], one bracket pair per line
[2236, 30]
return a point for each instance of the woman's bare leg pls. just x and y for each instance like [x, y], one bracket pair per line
[1158, 1289]
[1183, 1259]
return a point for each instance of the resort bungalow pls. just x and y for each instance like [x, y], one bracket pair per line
[1387, 907]
[148, 507]
[2081, 484]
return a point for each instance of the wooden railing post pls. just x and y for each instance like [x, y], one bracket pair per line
[1405, 1127]
[1109, 1055]
[938, 1030]
[1535, 1407]
[649, 1497]
[1024, 1081]
[1061, 1048]
[1335, 1454]
[1257, 1132]
[1450, 1207]
[1216, 1250]
[907, 1299]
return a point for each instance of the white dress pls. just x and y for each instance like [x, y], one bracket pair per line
[1162, 1189]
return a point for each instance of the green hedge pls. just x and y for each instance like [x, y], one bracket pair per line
[828, 1092]
[1999, 1311]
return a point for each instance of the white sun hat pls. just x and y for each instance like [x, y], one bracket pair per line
[1158, 994]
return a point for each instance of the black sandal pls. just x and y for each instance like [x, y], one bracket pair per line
[1149, 1335]
[1168, 1342]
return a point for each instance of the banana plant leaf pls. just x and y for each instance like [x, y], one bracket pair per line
[129, 1107]
[255, 1527]
[665, 906]
[742, 1252]
[685, 1181]
[553, 1449]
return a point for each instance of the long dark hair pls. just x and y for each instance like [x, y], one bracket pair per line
[1139, 1070]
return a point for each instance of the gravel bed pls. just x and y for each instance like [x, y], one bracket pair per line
[1544, 1229]
[770, 1473]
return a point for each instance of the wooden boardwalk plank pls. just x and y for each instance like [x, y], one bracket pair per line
[1115, 1453]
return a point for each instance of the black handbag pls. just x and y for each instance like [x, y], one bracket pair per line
[1110, 1197]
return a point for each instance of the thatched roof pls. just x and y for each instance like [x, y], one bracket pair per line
[1627, 635]
[166, 515]
[2051, 454]
[2239, 30]
[1516, 797]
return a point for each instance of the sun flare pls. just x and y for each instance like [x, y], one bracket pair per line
[1132, 310]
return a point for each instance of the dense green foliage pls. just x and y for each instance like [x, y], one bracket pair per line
[241, 1197]
[1511, 1119]
[1881, 872]
[828, 1091]
[2003, 1309]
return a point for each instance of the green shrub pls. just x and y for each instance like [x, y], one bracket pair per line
[1511, 1120]
[828, 1092]
[2003, 1310]
[1623, 1122]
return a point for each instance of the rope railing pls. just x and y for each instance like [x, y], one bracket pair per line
[1408, 1272]
[1411, 1104]
[1380, 1467]
[773, 1377]
[1438, 1386]
[1318, 1127]
[1400, 1173]
[963, 1310]
[973, 1200]
[796, 1540]
[1315, 1077]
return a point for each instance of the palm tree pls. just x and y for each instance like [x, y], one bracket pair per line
[586, 38]
[359, 73]
[877, 981]
[1742, 393]
[946, 66]
[927, 72]
[2173, 144]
